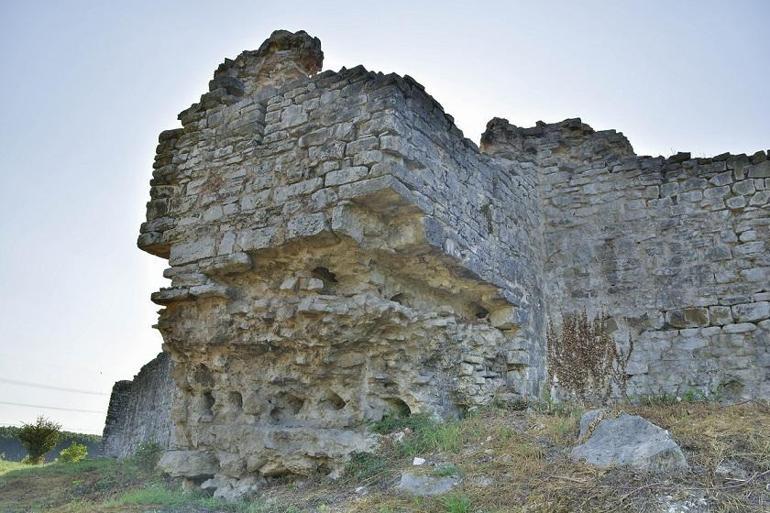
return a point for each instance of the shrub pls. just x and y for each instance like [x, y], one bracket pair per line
[74, 453]
[147, 456]
[39, 438]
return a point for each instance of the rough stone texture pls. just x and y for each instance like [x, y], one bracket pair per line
[626, 440]
[423, 486]
[674, 251]
[339, 251]
[140, 410]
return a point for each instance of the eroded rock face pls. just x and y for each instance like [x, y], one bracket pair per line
[316, 341]
[331, 265]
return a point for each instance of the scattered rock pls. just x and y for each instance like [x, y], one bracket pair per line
[627, 440]
[669, 504]
[418, 461]
[482, 481]
[231, 489]
[731, 469]
[424, 486]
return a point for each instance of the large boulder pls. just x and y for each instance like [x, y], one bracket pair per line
[189, 464]
[626, 440]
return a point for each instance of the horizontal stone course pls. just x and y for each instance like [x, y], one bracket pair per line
[701, 234]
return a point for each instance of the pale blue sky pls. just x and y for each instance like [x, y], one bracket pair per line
[87, 86]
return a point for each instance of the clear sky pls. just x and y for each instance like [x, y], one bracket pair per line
[87, 86]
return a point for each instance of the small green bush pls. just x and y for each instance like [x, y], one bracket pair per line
[39, 438]
[147, 456]
[74, 453]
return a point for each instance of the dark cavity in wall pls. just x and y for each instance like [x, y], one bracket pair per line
[327, 277]
[397, 407]
[333, 400]
[207, 403]
[236, 399]
[202, 376]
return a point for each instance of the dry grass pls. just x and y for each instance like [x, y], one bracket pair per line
[525, 457]
[508, 462]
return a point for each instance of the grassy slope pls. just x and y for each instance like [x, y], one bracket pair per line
[508, 462]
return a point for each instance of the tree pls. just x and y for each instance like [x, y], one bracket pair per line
[39, 438]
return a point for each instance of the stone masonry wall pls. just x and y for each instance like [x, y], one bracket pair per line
[339, 252]
[674, 251]
[139, 410]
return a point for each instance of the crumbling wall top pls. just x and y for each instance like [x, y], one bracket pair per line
[569, 139]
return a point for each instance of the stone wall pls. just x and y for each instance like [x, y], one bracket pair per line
[673, 251]
[339, 252]
[139, 410]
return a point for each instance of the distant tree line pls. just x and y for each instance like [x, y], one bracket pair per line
[33, 443]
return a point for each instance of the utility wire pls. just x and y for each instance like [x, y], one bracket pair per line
[49, 387]
[51, 407]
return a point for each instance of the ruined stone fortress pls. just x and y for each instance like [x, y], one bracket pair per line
[339, 252]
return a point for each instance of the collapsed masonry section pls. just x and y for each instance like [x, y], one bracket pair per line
[338, 252]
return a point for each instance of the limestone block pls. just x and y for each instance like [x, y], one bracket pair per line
[627, 440]
[348, 174]
[751, 312]
[189, 464]
[192, 251]
[424, 486]
[720, 315]
[688, 317]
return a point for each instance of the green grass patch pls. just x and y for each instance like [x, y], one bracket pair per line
[456, 504]
[161, 495]
[7, 466]
[393, 423]
[448, 470]
[364, 465]
[156, 495]
[429, 436]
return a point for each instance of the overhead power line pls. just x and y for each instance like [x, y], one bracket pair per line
[83, 431]
[25, 405]
[49, 387]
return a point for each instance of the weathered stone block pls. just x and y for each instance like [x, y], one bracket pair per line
[752, 312]
[689, 317]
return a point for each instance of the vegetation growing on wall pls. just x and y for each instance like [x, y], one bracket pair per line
[583, 359]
